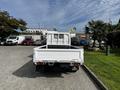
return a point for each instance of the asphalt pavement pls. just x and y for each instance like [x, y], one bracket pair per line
[17, 72]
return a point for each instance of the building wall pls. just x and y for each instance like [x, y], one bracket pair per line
[72, 35]
[35, 30]
[81, 36]
[36, 33]
[35, 37]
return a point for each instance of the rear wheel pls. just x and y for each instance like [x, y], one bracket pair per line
[39, 68]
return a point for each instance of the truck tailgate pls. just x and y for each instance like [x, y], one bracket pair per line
[58, 55]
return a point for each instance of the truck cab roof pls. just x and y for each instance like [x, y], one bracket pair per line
[58, 38]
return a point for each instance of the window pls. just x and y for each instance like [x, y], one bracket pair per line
[56, 36]
[12, 37]
[61, 36]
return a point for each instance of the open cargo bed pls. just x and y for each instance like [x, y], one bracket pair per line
[58, 50]
[55, 54]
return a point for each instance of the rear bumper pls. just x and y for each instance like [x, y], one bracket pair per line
[44, 62]
[57, 63]
[11, 43]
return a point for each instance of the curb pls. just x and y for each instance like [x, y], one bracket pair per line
[95, 79]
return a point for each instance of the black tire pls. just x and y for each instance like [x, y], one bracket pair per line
[37, 68]
[40, 68]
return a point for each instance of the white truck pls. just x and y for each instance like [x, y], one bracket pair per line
[13, 40]
[58, 51]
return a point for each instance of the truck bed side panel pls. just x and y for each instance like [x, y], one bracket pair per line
[54, 55]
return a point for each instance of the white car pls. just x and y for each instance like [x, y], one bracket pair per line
[14, 40]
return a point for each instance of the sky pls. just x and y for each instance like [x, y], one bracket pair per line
[62, 14]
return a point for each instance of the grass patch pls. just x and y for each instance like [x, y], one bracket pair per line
[107, 68]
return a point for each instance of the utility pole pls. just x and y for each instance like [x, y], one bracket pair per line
[110, 22]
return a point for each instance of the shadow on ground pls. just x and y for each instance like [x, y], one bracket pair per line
[28, 70]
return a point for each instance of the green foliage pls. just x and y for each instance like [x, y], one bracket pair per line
[117, 26]
[114, 39]
[100, 30]
[107, 68]
[9, 24]
[73, 30]
[55, 29]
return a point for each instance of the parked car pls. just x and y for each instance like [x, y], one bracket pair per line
[28, 41]
[83, 42]
[75, 41]
[14, 40]
[20, 39]
[11, 40]
[40, 42]
[2, 41]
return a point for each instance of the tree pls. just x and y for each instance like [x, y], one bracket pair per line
[55, 29]
[114, 39]
[117, 26]
[73, 30]
[9, 24]
[22, 24]
[97, 29]
[87, 30]
[108, 32]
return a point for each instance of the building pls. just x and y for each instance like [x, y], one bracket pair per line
[81, 36]
[35, 33]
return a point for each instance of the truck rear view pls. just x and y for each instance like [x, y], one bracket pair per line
[58, 51]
